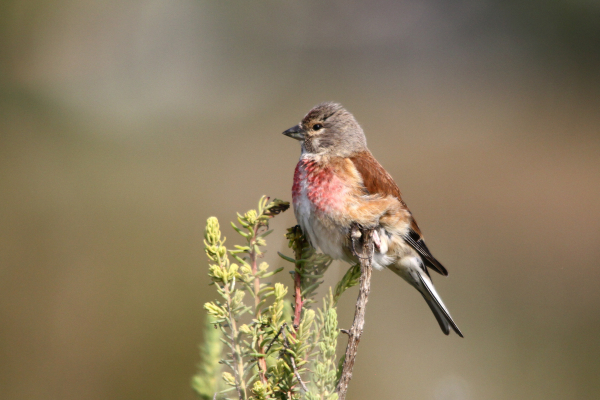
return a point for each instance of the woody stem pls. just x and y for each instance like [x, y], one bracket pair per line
[262, 363]
[358, 324]
[238, 367]
[298, 302]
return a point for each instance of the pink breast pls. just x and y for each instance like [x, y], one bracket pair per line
[299, 177]
[319, 185]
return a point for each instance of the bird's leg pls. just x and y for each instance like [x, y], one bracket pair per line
[355, 235]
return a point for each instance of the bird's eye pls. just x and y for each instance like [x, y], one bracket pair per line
[316, 127]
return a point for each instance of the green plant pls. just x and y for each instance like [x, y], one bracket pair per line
[269, 349]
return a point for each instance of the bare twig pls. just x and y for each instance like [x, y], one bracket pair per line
[275, 338]
[287, 345]
[359, 314]
[298, 374]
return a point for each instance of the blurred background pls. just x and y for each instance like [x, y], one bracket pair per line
[124, 125]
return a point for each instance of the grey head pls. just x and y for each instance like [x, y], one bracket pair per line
[328, 129]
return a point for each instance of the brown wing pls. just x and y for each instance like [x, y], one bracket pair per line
[377, 181]
[375, 178]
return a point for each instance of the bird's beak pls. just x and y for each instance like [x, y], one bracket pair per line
[295, 132]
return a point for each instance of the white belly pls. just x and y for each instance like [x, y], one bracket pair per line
[323, 235]
[330, 239]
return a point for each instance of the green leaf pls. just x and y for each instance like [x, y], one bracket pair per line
[238, 230]
[269, 274]
[261, 355]
[267, 233]
[286, 258]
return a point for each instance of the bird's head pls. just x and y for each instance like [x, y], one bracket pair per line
[328, 129]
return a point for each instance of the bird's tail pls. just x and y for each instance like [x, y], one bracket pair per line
[434, 301]
[419, 279]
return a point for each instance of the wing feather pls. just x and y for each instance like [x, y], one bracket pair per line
[377, 180]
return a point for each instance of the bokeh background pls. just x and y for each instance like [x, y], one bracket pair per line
[124, 125]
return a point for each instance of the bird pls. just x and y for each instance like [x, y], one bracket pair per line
[339, 184]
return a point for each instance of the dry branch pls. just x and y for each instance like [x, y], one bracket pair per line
[356, 330]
